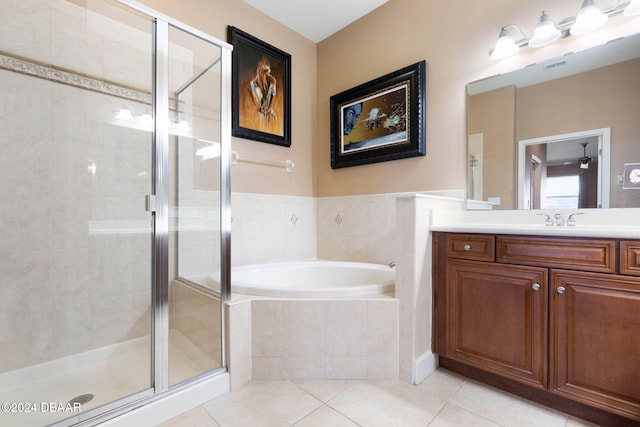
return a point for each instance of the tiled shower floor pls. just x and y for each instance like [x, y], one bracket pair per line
[442, 400]
[107, 380]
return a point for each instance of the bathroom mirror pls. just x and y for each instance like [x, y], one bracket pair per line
[557, 134]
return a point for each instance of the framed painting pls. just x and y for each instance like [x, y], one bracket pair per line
[380, 120]
[261, 90]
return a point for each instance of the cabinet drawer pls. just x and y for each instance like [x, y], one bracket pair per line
[575, 254]
[480, 247]
[630, 257]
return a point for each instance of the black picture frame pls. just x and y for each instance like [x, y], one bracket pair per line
[381, 120]
[260, 91]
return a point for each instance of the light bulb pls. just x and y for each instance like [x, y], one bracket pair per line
[505, 46]
[589, 18]
[545, 32]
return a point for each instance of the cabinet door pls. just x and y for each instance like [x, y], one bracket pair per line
[595, 336]
[497, 318]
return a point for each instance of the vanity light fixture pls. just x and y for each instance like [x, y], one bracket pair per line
[588, 18]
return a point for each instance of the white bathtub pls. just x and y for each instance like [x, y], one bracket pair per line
[313, 279]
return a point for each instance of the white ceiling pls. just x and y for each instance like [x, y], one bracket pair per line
[316, 19]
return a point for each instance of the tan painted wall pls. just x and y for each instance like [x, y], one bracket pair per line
[493, 115]
[454, 37]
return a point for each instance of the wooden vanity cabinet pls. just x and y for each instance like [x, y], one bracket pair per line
[630, 257]
[497, 318]
[555, 320]
[595, 336]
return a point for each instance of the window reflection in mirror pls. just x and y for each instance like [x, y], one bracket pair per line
[592, 89]
[584, 154]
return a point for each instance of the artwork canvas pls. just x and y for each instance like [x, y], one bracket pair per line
[376, 120]
[261, 90]
[380, 120]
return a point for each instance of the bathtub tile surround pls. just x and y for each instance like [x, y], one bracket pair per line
[345, 228]
[313, 338]
[324, 339]
[357, 228]
[271, 228]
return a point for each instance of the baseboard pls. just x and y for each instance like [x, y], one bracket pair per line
[425, 365]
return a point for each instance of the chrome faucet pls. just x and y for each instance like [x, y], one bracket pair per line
[392, 264]
[571, 221]
[548, 221]
[559, 220]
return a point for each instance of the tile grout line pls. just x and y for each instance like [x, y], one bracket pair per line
[326, 404]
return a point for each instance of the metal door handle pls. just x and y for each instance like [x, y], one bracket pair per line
[535, 286]
[561, 289]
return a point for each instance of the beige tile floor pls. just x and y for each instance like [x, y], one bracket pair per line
[442, 400]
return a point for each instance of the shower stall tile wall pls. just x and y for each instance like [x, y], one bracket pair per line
[67, 270]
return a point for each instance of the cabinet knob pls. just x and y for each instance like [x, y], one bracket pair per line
[535, 286]
[561, 290]
[467, 247]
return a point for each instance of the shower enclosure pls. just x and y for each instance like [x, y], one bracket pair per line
[114, 205]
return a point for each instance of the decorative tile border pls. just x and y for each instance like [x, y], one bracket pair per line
[53, 74]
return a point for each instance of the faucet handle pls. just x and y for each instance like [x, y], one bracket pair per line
[548, 221]
[571, 221]
[559, 220]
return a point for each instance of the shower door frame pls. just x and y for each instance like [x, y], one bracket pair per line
[158, 205]
[160, 189]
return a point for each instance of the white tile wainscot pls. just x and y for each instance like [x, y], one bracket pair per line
[325, 339]
[314, 339]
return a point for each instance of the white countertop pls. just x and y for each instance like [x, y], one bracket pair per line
[599, 223]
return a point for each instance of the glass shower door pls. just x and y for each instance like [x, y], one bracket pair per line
[75, 238]
[195, 316]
